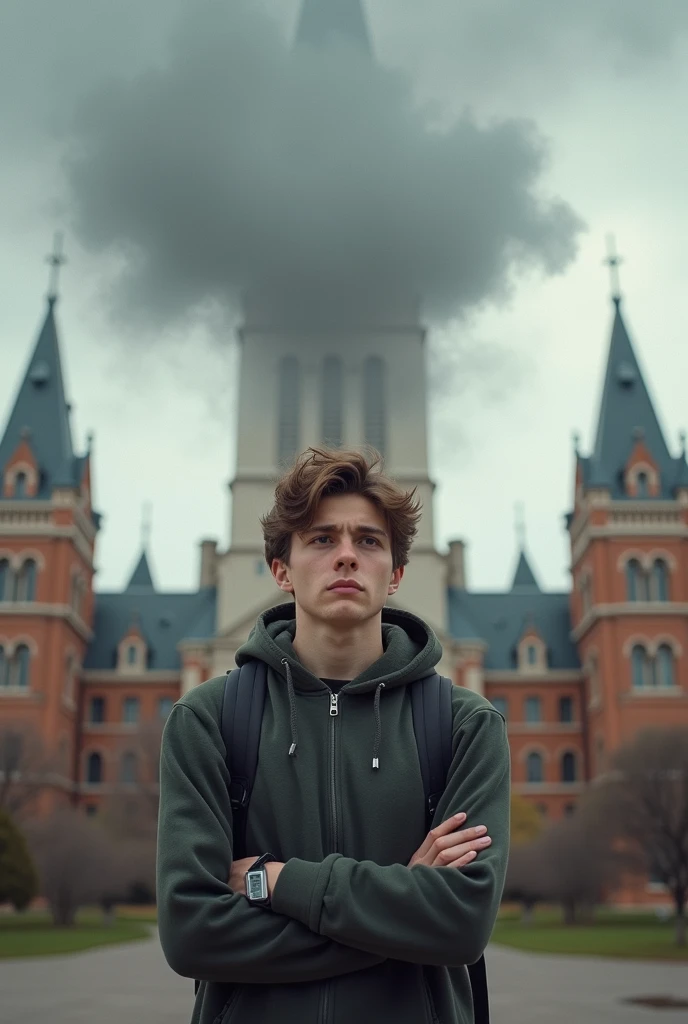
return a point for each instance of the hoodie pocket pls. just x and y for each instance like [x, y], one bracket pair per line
[432, 1012]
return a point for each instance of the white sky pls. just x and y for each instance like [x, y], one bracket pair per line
[615, 115]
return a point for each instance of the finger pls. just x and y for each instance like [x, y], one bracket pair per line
[446, 857]
[456, 838]
[448, 826]
[463, 861]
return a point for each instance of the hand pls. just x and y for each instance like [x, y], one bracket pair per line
[237, 877]
[448, 847]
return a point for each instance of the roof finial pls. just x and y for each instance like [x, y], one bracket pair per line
[682, 440]
[614, 261]
[576, 438]
[146, 524]
[520, 523]
[56, 260]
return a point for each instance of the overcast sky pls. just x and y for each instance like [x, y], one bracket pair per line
[574, 117]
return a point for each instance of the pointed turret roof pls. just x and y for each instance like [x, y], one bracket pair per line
[322, 22]
[524, 577]
[41, 414]
[141, 579]
[626, 415]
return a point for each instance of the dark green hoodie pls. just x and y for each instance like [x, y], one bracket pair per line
[353, 936]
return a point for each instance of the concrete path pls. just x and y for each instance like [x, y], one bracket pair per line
[132, 984]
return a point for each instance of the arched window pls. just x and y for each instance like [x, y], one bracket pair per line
[94, 769]
[642, 489]
[26, 581]
[132, 654]
[128, 772]
[289, 405]
[640, 664]
[4, 668]
[20, 485]
[5, 580]
[532, 654]
[568, 767]
[664, 667]
[332, 401]
[636, 581]
[659, 581]
[20, 667]
[374, 412]
[534, 767]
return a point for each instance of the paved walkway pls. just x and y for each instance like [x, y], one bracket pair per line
[132, 984]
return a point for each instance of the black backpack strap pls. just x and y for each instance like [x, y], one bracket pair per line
[432, 724]
[242, 716]
[431, 703]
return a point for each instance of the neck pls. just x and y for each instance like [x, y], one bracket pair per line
[332, 652]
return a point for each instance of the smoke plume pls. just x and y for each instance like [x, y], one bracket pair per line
[240, 164]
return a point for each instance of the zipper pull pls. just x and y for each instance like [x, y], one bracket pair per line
[334, 705]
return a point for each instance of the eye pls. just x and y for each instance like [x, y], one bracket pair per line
[371, 541]
[317, 540]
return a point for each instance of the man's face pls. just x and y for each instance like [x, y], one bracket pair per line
[340, 570]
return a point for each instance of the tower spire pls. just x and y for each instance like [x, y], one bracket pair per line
[323, 22]
[614, 261]
[56, 260]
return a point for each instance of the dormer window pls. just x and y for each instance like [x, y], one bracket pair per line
[642, 487]
[642, 481]
[132, 654]
[20, 485]
[532, 655]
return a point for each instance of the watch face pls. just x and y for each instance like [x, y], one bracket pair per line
[257, 885]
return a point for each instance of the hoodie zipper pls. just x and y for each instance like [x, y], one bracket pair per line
[334, 713]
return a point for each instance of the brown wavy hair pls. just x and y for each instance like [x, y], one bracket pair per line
[322, 472]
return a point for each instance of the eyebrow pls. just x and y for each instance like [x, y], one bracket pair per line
[332, 528]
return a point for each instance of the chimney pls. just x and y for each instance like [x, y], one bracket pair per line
[208, 563]
[456, 564]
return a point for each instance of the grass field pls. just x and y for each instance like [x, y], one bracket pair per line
[625, 935]
[33, 934]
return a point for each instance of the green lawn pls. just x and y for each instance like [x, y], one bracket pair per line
[33, 934]
[633, 936]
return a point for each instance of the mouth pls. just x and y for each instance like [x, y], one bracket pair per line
[345, 587]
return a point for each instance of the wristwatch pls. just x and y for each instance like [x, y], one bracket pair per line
[257, 891]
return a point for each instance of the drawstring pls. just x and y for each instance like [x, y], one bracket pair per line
[378, 727]
[294, 724]
[292, 709]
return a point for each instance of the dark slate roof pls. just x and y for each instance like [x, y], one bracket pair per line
[322, 22]
[141, 578]
[524, 577]
[41, 407]
[501, 620]
[626, 407]
[163, 619]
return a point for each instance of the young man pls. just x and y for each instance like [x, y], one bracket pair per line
[368, 919]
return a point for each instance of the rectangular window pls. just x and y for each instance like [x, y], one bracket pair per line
[97, 710]
[533, 709]
[501, 704]
[130, 710]
[165, 705]
[566, 709]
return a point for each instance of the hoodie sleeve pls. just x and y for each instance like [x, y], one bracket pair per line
[208, 932]
[424, 915]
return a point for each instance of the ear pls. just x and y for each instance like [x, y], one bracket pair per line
[397, 577]
[280, 570]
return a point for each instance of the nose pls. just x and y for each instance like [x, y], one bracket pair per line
[345, 555]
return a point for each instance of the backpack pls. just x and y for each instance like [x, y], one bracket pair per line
[242, 713]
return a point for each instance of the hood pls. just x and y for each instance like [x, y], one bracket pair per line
[411, 650]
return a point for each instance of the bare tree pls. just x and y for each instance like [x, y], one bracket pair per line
[524, 879]
[578, 864]
[644, 802]
[26, 768]
[131, 811]
[77, 863]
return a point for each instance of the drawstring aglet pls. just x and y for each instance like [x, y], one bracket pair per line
[292, 750]
[376, 763]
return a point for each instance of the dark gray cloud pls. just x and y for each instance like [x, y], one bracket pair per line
[236, 163]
